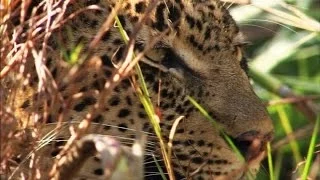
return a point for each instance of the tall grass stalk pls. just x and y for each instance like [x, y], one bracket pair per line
[288, 130]
[278, 164]
[249, 175]
[214, 123]
[159, 168]
[143, 94]
[270, 163]
[311, 150]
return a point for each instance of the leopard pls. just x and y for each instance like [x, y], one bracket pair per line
[188, 49]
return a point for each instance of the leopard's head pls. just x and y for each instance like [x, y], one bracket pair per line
[204, 57]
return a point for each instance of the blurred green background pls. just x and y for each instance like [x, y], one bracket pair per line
[285, 55]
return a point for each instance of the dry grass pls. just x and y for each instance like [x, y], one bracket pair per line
[19, 47]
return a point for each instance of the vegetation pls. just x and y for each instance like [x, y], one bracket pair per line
[284, 60]
[284, 56]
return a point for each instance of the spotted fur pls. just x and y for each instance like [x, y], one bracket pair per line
[201, 47]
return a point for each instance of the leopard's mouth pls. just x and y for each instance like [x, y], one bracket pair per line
[253, 145]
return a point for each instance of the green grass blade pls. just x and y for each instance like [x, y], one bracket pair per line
[159, 168]
[123, 33]
[270, 163]
[312, 145]
[225, 136]
[143, 94]
[288, 130]
[278, 164]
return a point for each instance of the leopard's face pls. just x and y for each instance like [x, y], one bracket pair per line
[206, 62]
[199, 50]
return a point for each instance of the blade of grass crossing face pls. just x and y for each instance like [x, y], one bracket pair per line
[249, 175]
[233, 146]
[311, 150]
[214, 123]
[123, 33]
[159, 168]
[143, 94]
[142, 81]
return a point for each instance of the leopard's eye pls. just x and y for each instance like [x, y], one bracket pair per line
[155, 55]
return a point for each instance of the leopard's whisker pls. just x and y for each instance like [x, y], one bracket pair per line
[150, 162]
[154, 174]
[268, 21]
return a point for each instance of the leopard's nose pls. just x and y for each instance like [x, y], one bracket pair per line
[252, 143]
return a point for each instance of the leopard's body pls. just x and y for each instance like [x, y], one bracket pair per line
[198, 44]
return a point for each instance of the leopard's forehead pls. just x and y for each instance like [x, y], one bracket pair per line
[204, 25]
[203, 32]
